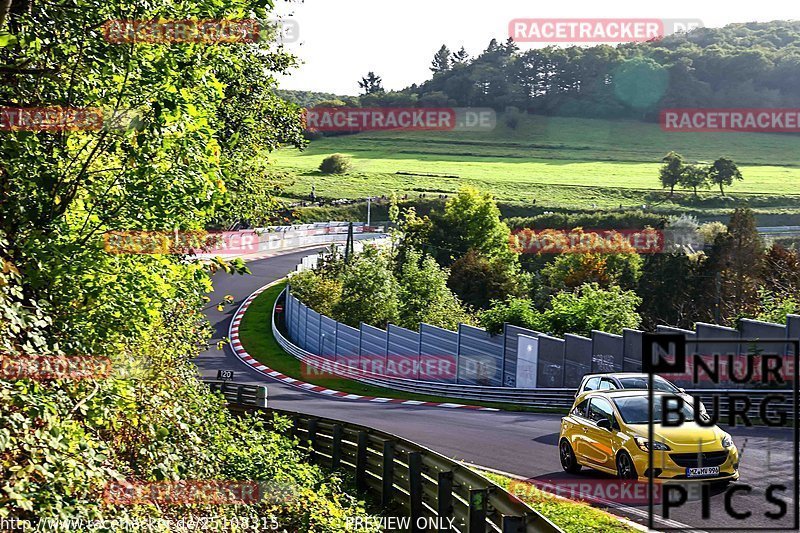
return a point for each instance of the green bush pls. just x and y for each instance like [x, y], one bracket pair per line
[588, 308]
[515, 311]
[320, 293]
[335, 164]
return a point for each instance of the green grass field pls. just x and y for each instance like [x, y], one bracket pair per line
[559, 162]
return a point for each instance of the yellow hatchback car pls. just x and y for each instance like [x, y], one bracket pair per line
[608, 430]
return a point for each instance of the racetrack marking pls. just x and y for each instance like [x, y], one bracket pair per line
[242, 355]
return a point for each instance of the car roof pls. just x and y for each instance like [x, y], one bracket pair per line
[620, 393]
[616, 375]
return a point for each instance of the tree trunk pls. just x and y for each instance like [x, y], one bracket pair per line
[720, 190]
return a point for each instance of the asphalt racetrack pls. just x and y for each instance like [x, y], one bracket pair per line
[523, 444]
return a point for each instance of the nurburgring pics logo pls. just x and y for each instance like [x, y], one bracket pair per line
[205, 31]
[786, 120]
[352, 119]
[623, 30]
[769, 399]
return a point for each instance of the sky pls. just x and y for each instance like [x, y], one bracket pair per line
[339, 41]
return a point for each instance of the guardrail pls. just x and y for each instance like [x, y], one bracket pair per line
[425, 484]
[552, 399]
[239, 394]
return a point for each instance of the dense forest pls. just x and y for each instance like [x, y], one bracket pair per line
[739, 65]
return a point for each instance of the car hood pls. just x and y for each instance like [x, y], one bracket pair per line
[688, 433]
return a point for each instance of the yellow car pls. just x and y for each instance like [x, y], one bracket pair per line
[607, 431]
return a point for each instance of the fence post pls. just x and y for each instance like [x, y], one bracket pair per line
[336, 341]
[444, 498]
[336, 454]
[361, 461]
[239, 398]
[458, 356]
[415, 488]
[513, 524]
[505, 343]
[388, 473]
[261, 397]
[312, 438]
[477, 510]
[419, 348]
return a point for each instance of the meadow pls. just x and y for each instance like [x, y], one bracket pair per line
[570, 163]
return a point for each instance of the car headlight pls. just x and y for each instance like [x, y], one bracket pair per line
[643, 444]
[727, 442]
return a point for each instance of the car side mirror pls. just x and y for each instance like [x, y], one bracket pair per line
[604, 423]
[681, 390]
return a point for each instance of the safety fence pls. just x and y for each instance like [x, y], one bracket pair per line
[516, 358]
[546, 399]
[428, 487]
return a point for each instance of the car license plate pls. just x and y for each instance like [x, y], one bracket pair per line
[703, 471]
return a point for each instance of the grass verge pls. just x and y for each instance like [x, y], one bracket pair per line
[256, 336]
[569, 515]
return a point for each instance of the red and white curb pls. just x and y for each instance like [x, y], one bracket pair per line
[241, 353]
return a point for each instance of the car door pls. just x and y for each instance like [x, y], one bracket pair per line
[576, 428]
[599, 442]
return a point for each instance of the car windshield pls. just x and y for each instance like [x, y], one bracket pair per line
[640, 382]
[633, 410]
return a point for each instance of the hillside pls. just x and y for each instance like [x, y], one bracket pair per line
[560, 162]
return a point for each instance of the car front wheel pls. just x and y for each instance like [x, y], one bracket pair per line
[568, 461]
[625, 467]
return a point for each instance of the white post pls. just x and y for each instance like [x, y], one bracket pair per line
[369, 209]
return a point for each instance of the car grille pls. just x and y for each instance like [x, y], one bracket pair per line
[694, 460]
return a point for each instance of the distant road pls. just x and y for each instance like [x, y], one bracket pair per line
[779, 231]
[523, 444]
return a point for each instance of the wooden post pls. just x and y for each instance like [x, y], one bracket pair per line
[361, 461]
[336, 455]
[415, 488]
[312, 438]
[444, 499]
[477, 510]
[388, 473]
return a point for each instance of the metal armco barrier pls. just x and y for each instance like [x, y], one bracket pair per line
[424, 483]
[552, 399]
[557, 400]
[254, 395]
